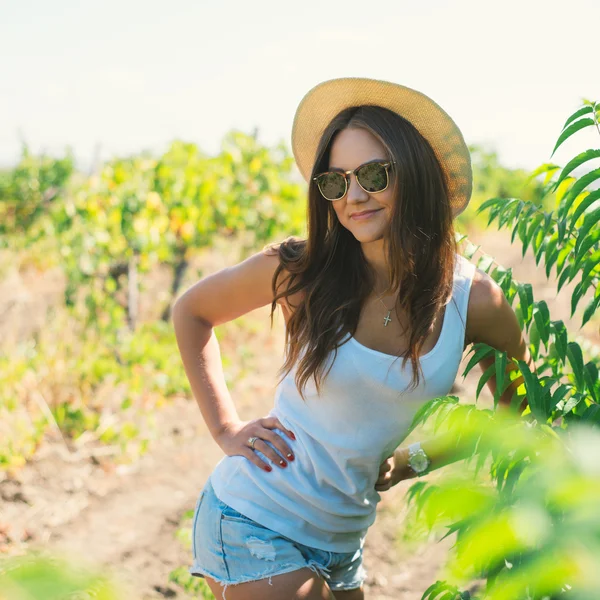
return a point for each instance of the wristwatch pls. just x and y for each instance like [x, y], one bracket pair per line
[418, 461]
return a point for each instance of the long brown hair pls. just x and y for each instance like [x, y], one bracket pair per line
[329, 266]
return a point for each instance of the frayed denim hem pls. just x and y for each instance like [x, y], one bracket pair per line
[344, 587]
[285, 568]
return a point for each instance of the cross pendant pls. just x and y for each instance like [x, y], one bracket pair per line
[386, 319]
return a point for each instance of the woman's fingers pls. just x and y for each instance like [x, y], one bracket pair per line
[278, 442]
[275, 423]
[270, 453]
[385, 467]
[270, 423]
[253, 457]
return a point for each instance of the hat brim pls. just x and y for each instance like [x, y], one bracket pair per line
[324, 101]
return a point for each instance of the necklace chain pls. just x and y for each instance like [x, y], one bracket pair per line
[386, 319]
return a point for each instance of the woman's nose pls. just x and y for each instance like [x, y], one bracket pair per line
[355, 192]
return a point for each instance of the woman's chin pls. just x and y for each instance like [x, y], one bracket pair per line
[365, 237]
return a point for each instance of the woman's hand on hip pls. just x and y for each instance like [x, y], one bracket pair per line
[234, 437]
[393, 470]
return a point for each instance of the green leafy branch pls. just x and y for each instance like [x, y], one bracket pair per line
[567, 238]
[570, 384]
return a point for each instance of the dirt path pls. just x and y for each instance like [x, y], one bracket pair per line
[125, 518]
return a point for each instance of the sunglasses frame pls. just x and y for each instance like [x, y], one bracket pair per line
[386, 164]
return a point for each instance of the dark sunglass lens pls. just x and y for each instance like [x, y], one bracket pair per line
[373, 177]
[332, 185]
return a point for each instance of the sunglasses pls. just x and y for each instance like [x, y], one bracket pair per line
[372, 177]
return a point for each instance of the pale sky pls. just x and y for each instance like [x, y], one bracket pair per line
[136, 74]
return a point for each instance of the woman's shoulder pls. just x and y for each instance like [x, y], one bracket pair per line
[487, 310]
[486, 295]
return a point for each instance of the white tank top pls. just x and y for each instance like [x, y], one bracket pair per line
[326, 498]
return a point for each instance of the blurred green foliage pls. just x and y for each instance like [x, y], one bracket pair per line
[531, 529]
[493, 180]
[40, 576]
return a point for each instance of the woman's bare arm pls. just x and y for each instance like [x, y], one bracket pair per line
[491, 320]
[215, 299]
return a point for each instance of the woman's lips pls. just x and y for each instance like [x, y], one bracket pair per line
[365, 216]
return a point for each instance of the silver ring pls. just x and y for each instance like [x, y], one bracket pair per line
[251, 441]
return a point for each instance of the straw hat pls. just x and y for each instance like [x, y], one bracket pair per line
[327, 99]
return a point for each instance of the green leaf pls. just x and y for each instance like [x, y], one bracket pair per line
[522, 221]
[545, 168]
[592, 262]
[539, 244]
[576, 297]
[470, 250]
[590, 374]
[508, 212]
[583, 205]
[480, 351]
[576, 361]
[484, 379]
[562, 189]
[590, 221]
[504, 280]
[559, 393]
[562, 279]
[560, 338]
[492, 202]
[590, 309]
[541, 241]
[572, 402]
[485, 263]
[572, 129]
[585, 242]
[551, 253]
[562, 229]
[576, 162]
[592, 414]
[494, 212]
[534, 340]
[530, 229]
[586, 280]
[428, 409]
[578, 113]
[500, 365]
[534, 392]
[541, 314]
[415, 491]
[577, 188]
[525, 292]
[563, 255]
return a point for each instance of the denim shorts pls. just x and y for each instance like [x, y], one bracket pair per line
[232, 548]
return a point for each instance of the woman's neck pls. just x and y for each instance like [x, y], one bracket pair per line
[377, 261]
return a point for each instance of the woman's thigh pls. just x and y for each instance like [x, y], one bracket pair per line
[302, 584]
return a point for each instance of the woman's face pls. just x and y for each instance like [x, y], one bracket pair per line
[350, 149]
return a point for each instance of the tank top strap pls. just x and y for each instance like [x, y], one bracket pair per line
[464, 272]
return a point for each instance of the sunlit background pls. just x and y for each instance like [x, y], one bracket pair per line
[118, 76]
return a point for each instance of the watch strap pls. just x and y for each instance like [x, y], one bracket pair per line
[414, 448]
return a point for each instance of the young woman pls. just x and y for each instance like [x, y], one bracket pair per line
[378, 308]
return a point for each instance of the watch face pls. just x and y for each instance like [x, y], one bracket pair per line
[419, 461]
